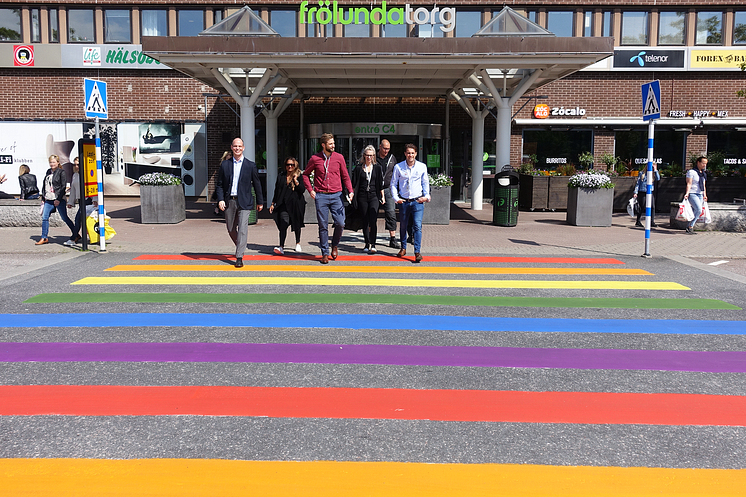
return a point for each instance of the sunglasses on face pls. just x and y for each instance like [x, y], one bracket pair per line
[289, 164]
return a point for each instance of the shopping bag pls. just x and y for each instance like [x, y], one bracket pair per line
[705, 215]
[631, 207]
[685, 211]
[91, 223]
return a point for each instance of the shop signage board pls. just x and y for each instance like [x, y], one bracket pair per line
[730, 58]
[651, 100]
[106, 57]
[649, 59]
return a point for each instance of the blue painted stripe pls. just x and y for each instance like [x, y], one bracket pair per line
[650, 142]
[375, 321]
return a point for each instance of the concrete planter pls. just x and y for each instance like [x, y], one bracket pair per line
[438, 210]
[162, 204]
[586, 207]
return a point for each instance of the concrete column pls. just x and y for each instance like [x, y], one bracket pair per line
[248, 128]
[272, 160]
[477, 165]
[504, 121]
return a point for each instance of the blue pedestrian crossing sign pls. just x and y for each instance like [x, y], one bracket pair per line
[95, 99]
[651, 100]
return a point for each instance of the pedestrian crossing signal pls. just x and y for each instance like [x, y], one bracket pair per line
[95, 99]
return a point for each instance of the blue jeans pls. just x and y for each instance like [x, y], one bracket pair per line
[696, 200]
[62, 210]
[326, 202]
[410, 213]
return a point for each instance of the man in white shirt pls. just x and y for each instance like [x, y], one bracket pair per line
[410, 188]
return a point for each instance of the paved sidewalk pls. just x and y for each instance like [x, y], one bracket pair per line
[470, 232]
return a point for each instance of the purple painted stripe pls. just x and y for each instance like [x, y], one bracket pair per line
[404, 355]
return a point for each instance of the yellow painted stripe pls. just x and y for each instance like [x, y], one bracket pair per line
[316, 268]
[199, 477]
[383, 282]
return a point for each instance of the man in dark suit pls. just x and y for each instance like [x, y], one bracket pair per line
[233, 190]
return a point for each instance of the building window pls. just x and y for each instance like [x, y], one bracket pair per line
[468, 22]
[314, 29]
[560, 22]
[154, 22]
[709, 28]
[80, 27]
[739, 28]
[394, 31]
[587, 23]
[671, 28]
[356, 30]
[533, 16]
[117, 26]
[634, 28]
[10, 24]
[632, 148]
[217, 16]
[54, 27]
[428, 31]
[190, 22]
[556, 148]
[35, 26]
[284, 22]
[606, 26]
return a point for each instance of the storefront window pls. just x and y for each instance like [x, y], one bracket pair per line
[54, 27]
[190, 22]
[154, 22]
[634, 28]
[671, 28]
[739, 27]
[558, 148]
[468, 22]
[709, 28]
[284, 22]
[117, 26]
[728, 148]
[669, 149]
[560, 22]
[80, 26]
[10, 24]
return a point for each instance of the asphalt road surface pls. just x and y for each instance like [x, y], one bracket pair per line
[130, 374]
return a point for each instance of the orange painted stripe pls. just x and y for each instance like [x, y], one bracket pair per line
[375, 403]
[377, 257]
[409, 269]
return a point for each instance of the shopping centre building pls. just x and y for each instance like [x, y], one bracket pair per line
[474, 85]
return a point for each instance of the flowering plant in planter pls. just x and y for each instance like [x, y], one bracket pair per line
[158, 179]
[591, 180]
[440, 180]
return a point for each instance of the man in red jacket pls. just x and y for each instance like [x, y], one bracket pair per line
[329, 174]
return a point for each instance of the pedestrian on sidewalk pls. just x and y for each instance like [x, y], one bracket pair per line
[387, 161]
[330, 175]
[367, 183]
[696, 191]
[641, 192]
[234, 196]
[289, 204]
[410, 187]
[53, 195]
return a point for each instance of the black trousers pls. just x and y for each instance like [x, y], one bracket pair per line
[368, 205]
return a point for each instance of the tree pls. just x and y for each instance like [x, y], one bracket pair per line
[742, 93]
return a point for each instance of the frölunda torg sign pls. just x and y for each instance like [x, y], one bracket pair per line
[649, 59]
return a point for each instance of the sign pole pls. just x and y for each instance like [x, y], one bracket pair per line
[649, 186]
[83, 197]
[100, 174]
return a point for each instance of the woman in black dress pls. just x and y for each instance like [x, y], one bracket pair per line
[367, 183]
[289, 205]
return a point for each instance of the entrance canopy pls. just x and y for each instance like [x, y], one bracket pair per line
[498, 65]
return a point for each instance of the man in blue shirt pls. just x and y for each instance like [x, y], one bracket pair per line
[410, 188]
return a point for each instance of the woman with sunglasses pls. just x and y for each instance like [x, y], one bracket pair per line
[367, 183]
[289, 205]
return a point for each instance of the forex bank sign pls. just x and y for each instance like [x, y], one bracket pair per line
[649, 59]
[326, 12]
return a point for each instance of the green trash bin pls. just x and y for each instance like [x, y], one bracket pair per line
[505, 198]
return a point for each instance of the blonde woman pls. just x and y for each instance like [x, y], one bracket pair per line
[29, 188]
[53, 195]
[367, 183]
[289, 204]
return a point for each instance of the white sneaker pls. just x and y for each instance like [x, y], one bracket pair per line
[297, 248]
[279, 251]
[373, 249]
[69, 243]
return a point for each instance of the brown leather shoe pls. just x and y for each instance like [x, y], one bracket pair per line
[42, 241]
[325, 259]
[334, 253]
[417, 257]
[401, 253]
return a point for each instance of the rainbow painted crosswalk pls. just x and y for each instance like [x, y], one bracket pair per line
[371, 376]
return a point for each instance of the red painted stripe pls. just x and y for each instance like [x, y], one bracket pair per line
[377, 257]
[376, 403]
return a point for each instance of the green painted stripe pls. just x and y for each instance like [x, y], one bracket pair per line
[367, 298]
